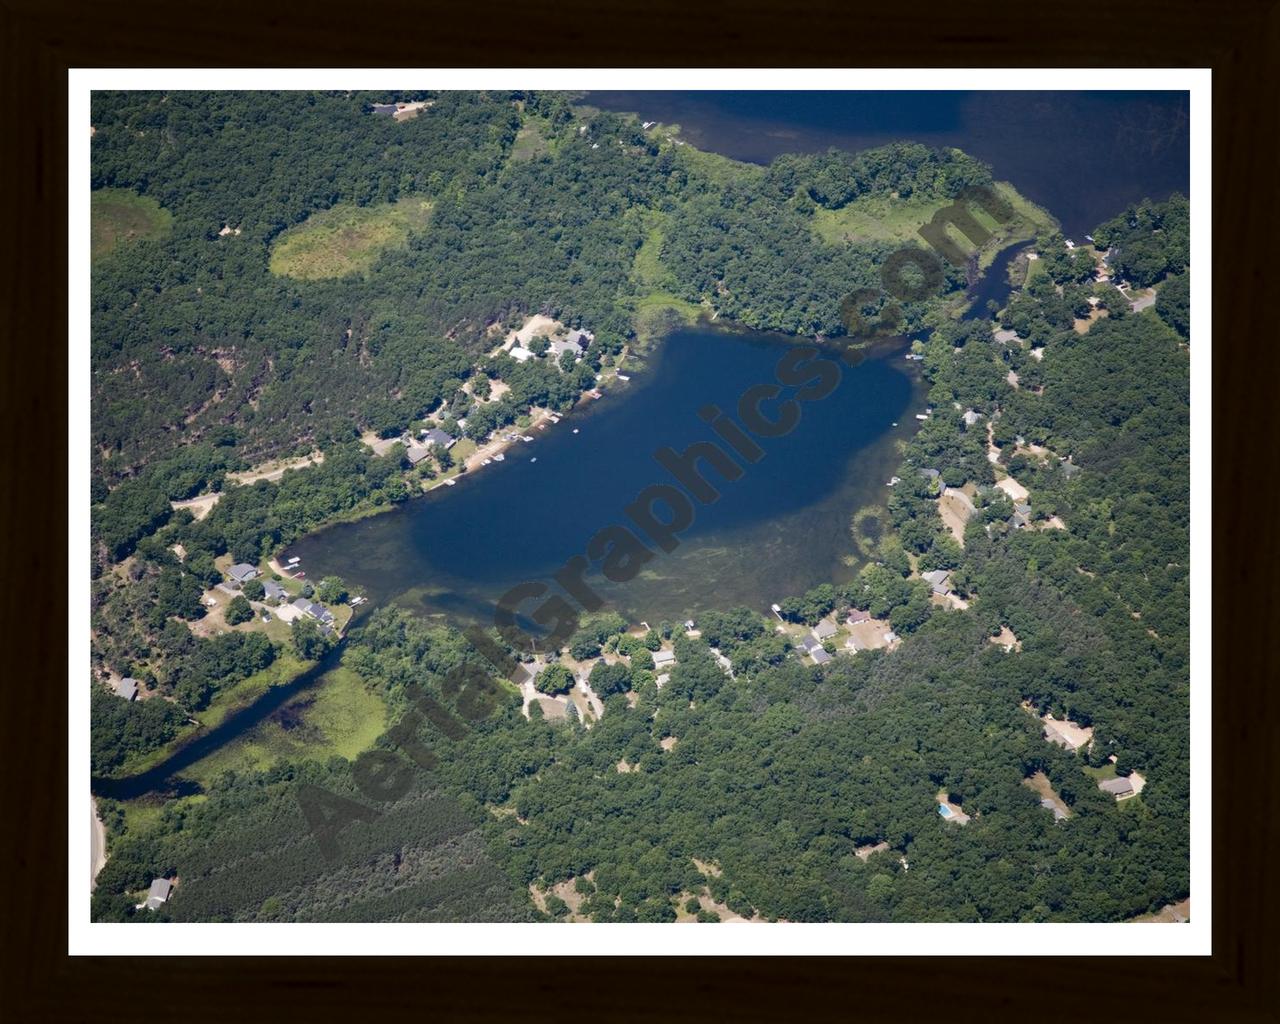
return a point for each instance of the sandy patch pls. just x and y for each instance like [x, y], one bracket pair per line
[1170, 913]
[624, 767]
[1082, 325]
[408, 111]
[1015, 490]
[1039, 784]
[1066, 733]
[199, 506]
[955, 508]
[535, 325]
[1006, 639]
[668, 743]
[1053, 523]
[864, 852]
[870, 635]
[273, 471]
[1012, 378]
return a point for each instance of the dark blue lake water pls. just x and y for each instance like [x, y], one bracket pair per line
[778, 530]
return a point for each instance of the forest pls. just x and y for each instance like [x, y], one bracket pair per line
[763, 792]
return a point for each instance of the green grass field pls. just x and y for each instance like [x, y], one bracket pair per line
[884, 219]
[346, 239]
[338, 717]
[117, 215]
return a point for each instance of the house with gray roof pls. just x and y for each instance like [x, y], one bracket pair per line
[241, 572]
[416, 454]
[439, 437]
[558, 348]
[939, 581]
[158, 893]
[317, 611]
[127, 688]
[971, 417]
[1119, 787]
[272, 590]
[661, 659]
[824, 629]
[815, 650]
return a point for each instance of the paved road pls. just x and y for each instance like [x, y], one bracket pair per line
[97, 844]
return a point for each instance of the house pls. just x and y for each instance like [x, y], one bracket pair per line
[1120, 787]
[384, 108]
[158, 893]
[939, 581]
[127, 688]
[690, 625]
[824, 629]
[416, 454]
[857, 615]
[574, 344]
[1019, 521]
[272, 590]
[241, 572]
[439, 437]
[317, 611]
[581, 338]
[1069, 469]
[520, 354]
[663, 659]
[931, 473]
[971, 417]
[815, 650]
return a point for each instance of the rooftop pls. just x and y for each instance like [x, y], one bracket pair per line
[242, 571]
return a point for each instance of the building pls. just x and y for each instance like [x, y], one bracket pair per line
[939, 581]
[439, 437]
[1120, 787]
[971, 417]
[241, 572]
[272, 590]
[815, 650]
[317, 611]
[417, 454]
[663, 659]
[558, 348]
[158, 893]
[856, 616]
[824, 629]
[127, 688]
[520, 354]
[384, 108]
[581, 338]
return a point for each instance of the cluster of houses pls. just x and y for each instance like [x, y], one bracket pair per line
[427, 441]
[240, 574]
[576, 342]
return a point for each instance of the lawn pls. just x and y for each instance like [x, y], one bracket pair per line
[118, 215]
[338, 717]
[346, 239]
[885, 219]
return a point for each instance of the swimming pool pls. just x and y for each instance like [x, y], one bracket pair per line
[944, 810]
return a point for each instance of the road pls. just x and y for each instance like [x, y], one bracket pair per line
[97, 844]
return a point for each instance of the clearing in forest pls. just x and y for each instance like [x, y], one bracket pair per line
[347, 239]
[118, 215]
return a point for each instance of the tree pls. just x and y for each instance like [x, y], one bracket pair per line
[554, 679]
[238, 610]
[253, 590]
[332, 590]
[308, 641]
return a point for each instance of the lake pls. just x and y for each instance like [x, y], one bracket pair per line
[781, 528]
[1082, 155]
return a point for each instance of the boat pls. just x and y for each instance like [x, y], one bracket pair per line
[575, 430]
[534, 459]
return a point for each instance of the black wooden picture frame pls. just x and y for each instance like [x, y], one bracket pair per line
[1239, 40]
